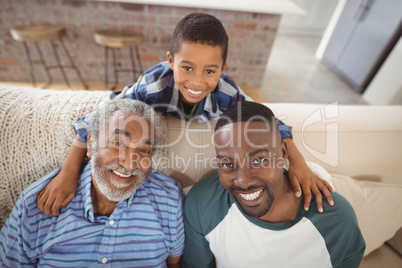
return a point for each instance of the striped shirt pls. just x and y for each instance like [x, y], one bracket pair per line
[142, 231]
[157, 88]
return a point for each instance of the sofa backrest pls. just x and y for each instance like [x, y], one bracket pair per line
[190, 150]
[36, 133]
[364, 142]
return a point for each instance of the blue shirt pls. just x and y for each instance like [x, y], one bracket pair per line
[142, 231]
[157, 88]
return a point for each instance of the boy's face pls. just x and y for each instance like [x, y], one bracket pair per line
[197, 69]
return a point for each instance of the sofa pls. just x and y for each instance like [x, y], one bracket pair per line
[357, 148]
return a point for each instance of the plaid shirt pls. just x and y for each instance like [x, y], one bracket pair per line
[157, 88]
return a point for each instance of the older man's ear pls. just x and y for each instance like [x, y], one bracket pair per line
[89, 146]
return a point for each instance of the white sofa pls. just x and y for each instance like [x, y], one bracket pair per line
[359, 145]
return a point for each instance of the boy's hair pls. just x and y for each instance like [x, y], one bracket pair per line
[247, 111]
[200, 28]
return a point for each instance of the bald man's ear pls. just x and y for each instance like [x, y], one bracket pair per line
[284, 149]
[89, 146]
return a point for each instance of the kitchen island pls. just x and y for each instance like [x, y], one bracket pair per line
[251, 27]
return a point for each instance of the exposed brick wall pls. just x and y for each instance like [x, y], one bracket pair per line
[250, 36]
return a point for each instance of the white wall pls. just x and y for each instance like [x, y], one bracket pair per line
[319, 13]
[397, 99]
[386, 87]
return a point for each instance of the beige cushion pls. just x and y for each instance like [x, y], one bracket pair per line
[191, 152]
[360, 141]
[384, 257]
[342, 141]
[396, 242]
[377, 206]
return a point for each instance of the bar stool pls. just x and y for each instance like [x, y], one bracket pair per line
[120, 39]
[41, 33]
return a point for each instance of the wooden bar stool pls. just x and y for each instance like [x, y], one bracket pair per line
[41, 33]
[120, 39]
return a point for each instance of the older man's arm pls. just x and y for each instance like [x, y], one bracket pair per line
[173, 262]
[15, 240]
[177, 248]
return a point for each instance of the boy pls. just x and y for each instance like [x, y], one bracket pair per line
[192, 84]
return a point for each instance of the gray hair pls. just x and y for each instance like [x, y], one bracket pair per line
[98, 117]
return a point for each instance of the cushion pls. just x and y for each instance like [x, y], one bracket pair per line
[377, 206]
[396, 243]
[36, 134]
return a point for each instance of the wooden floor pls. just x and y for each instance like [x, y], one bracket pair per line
[254, 93]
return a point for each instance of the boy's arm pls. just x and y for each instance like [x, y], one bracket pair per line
[301, 174]
[61, 189]
[241, 96]
[136, 91]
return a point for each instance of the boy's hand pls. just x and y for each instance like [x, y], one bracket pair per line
[61, 189]
[301, 174]
[57, 193]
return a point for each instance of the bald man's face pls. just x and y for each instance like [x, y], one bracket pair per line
[251, 158]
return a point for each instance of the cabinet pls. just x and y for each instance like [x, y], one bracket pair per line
[366, 32]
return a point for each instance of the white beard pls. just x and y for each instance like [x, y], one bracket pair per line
[113, 190]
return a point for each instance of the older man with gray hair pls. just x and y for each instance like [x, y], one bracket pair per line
[123, 215]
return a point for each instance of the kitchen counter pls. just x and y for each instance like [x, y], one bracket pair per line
[258, 6]
[251, 27]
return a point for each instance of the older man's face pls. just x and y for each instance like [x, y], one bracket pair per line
[121, 158]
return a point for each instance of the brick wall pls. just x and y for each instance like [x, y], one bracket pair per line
[250, 37]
